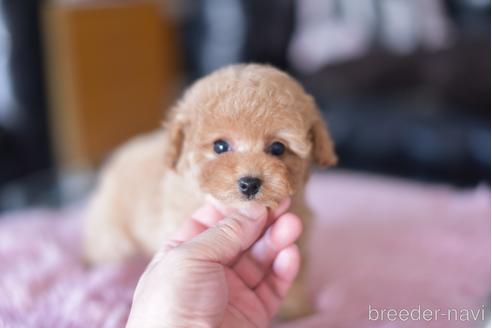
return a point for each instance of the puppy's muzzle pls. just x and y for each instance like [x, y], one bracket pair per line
[249, 186]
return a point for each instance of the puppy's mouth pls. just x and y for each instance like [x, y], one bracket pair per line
[238, 180]
[249, 198]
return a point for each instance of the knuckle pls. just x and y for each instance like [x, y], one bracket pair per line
[231, 229]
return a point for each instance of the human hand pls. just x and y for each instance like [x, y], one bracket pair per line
[220, 272]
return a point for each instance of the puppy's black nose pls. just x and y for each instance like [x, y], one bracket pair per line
[249, 186]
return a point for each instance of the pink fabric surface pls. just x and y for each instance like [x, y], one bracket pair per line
[379, 242]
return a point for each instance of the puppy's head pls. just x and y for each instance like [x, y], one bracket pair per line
[247, 133]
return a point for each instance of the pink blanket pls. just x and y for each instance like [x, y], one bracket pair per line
[379, 247]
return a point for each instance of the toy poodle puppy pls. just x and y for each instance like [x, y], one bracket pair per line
[243, 135]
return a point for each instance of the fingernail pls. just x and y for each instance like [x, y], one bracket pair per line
[254, 212]
[284, 205]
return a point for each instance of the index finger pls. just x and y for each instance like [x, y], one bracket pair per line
[282, 207]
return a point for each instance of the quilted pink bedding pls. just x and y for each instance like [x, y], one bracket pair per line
[380, 248]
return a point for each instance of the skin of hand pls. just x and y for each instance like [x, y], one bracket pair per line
[220, 270]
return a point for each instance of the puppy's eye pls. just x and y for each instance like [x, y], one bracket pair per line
[221, 146]
[276, 148]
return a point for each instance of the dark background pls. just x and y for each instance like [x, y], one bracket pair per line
[417, 109]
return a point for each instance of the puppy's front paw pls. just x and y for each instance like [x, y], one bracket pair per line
[296, 305]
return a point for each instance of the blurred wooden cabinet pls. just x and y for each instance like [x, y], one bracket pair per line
[112, 69]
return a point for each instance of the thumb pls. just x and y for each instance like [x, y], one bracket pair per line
[230, 237]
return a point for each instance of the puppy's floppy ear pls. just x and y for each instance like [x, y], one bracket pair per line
[175, 135]
[323, 149]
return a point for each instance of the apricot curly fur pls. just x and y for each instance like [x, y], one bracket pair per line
[155, 182]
